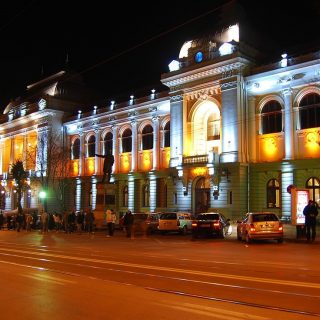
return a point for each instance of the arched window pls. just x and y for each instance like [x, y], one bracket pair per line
[313, 184]
[75, 149]
[147, 137]
[108, 143]
[273, 194]
[91, 146]
[213, 127]
[127, 140]
[309, 110]
[271, 117]
[166, 134]
[125, 196]
[145, 196]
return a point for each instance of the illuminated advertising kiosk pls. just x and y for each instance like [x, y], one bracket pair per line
[299, 199]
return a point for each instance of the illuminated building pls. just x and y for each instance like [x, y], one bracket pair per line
[228, 135]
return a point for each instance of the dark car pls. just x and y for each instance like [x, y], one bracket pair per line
[144, 222]
[211, 224]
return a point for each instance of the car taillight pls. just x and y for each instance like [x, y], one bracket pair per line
[194, 224]
[252, 228]
[216, 224]
[280, 227]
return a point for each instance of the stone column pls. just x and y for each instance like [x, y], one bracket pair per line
[288, 124]
[287, 179]
[25, 147]
[252, 132]
[156, 144]
[176, 130]
[134, 151]
[81, 156]
[230, 126]
[97, 151]
[115, 149]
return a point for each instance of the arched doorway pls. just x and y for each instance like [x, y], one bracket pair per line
[202, 195]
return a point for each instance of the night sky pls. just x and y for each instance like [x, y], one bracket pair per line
[123, 50]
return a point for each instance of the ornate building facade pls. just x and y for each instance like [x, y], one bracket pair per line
[228, 135]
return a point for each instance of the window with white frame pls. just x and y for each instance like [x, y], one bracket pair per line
[108, 143]
[91, 146]
[147, 137]
[166, 135]
[313, 185]
[309, 111]
[75, 149]
[126, 141]
[271, 117]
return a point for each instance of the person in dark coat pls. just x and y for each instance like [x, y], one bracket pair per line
[1, 219]
[310, 212]
[128, 222]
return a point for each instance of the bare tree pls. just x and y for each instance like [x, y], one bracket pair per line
[50, 158]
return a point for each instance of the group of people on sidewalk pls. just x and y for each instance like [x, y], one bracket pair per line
[127, 222]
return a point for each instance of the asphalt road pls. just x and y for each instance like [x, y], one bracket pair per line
[73, 276]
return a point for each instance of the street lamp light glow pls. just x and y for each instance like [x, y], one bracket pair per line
[42, 194]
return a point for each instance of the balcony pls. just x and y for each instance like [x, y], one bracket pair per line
[202, 159]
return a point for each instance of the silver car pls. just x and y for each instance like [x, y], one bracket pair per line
[260, 225]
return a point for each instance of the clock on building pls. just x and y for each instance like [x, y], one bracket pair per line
[198, 56]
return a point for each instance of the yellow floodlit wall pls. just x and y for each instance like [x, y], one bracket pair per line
[165, 158]
[309, 144]
[18, 148]
[74, 167]
[271, 147]
[145, 160]
[125, 162]
[6, 155]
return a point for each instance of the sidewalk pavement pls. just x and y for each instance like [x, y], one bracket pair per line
[297, 233]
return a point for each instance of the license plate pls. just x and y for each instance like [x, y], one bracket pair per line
[205, 225]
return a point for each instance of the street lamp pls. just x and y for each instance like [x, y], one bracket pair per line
[42, 194]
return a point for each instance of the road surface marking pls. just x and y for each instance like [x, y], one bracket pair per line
[183, 271]
[48, 278]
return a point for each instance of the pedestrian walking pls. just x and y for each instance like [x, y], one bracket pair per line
[128, 222]
[89, 220]
[44, 219]
[1, 219]
[111, 221]
[310, 212]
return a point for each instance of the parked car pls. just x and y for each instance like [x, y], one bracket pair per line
[210, 224]
[175, 222]
[145, 222]
[260, 225]
[153, 221]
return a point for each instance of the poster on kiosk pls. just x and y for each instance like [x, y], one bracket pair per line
[299, 199]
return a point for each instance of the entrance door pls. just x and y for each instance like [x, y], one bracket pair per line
[202, 195]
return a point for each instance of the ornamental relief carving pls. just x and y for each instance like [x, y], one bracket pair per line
[229, 85]
[176, 98]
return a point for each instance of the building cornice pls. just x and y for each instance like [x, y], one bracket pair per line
[205, 72]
